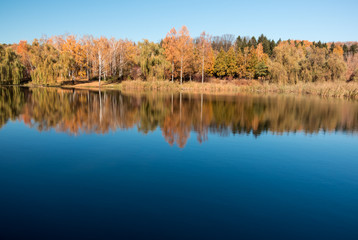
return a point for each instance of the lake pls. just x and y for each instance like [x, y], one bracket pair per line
[110, 165]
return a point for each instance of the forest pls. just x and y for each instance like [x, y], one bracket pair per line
[177, 57]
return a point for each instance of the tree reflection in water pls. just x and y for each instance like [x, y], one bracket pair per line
[177, 115]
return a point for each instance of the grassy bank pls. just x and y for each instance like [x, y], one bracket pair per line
[326, 89]
[338, 89]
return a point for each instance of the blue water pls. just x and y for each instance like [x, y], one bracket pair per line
[125, 184]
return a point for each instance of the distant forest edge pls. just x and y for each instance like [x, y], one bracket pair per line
[177, 57]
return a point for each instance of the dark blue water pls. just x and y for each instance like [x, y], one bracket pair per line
[126, 179]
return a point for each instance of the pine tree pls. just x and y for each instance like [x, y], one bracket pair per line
[231, 64]
[241, 66]
[251, 63]
[261, 70]
[220, 64]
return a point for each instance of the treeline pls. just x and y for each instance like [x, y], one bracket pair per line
[176, 115]
[177, 57]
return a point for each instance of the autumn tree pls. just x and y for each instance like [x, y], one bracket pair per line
[205, 53]
[170, 44]
[241, 64]
[220, 66]
[261, 69]
[245, 57]
[231, 64]
[101, 48]
[11, 68]
[152, 60]
[252, 61]
[23, 51]
[45, 59]
[184, 44]
[336, 64]
[68, 56]
[126, 55]
[286, 56]
[88, 49]
[354, 76]
[193, 63]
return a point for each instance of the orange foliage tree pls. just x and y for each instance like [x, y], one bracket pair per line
[171, 49]
[185, 48]
[205, 53]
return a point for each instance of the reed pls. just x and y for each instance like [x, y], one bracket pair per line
[326, 89]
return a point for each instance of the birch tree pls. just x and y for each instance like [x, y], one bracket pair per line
[101, 50]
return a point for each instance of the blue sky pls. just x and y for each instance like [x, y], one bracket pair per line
[135, 20]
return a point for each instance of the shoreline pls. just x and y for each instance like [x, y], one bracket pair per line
[326, 89]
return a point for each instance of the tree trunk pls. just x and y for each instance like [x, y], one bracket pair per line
[181, 70]
[88, 70]
[202, 71]
[100, 106]
[100, 68]
[180, 107]
[120, 66]
[172, 103]
[201, 109]
[173, 71]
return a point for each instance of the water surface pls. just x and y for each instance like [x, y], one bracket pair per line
[107, 165]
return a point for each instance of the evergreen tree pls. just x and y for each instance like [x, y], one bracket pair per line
[353, 49]
[345, 50]
[261, 70]
[220, 64]
[252, 42]
[231, 63]
[241, 66]
[239, 44]
[266, 44]
[332, 47]
[251, 63]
